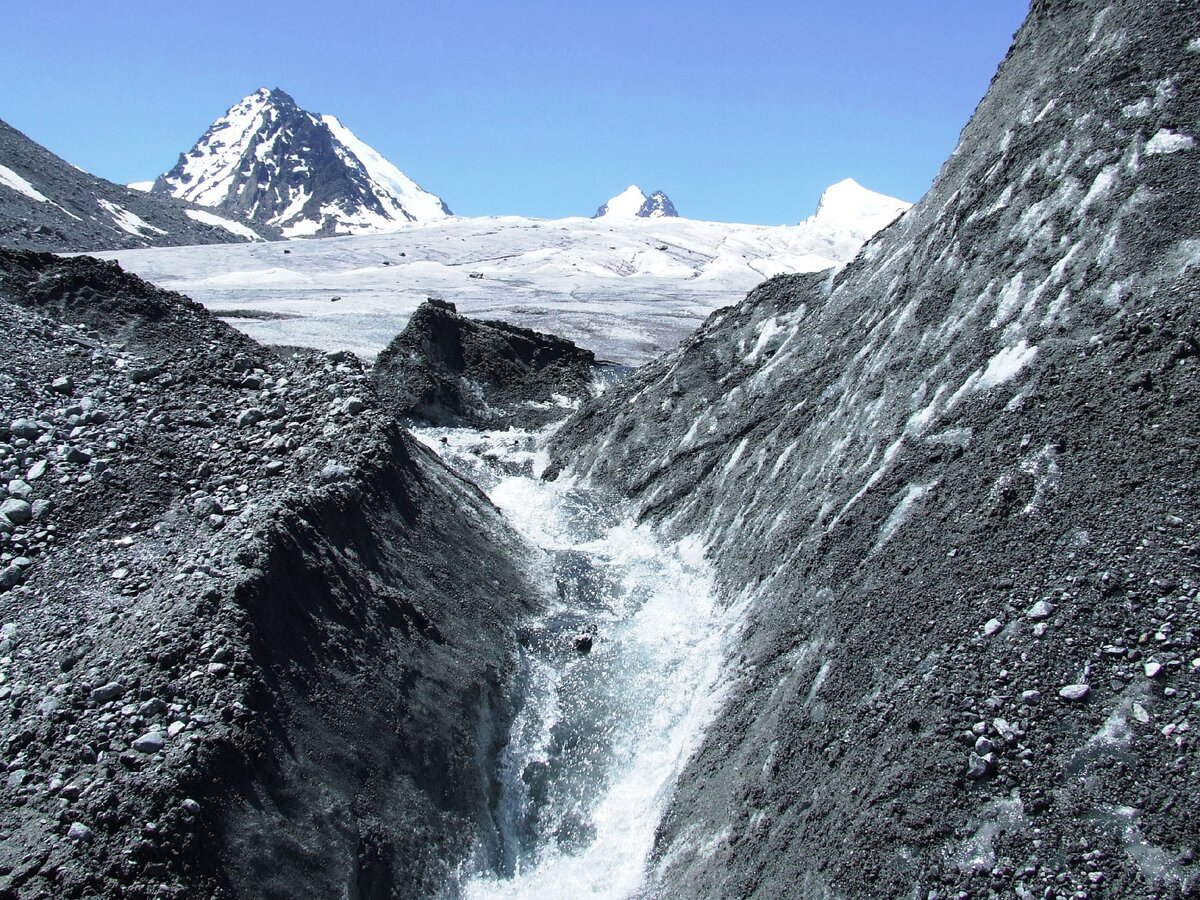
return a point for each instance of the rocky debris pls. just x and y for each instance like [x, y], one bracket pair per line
[446, 369]
[989, 416]
[68, 209]
[191, 612]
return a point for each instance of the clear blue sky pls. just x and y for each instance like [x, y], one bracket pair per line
[740, 111]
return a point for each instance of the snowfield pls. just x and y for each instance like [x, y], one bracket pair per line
[626, 288]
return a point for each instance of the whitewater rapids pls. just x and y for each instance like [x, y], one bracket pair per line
[600, 737]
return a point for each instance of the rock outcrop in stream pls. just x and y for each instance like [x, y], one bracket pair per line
[446, 369]
[958, 482]
[253, 637]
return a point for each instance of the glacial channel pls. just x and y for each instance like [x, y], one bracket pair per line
[617, 680]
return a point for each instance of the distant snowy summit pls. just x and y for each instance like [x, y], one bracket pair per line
[270, 162]
[631, 203]
[851, 210]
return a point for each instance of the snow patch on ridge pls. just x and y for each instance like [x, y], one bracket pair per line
[1006, 365]
[11, 179]
[127, 221]
[207, 218]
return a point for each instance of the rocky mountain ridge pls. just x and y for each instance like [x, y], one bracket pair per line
[270, 162]
[48, 204]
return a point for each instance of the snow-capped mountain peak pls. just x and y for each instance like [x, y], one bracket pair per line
[625, 205]
[631, 203]
[271, 162]
[848, 206]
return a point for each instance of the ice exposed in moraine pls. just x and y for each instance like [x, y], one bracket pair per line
[994, 405]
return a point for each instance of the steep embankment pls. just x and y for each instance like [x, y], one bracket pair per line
[958, 481]
[254, 637]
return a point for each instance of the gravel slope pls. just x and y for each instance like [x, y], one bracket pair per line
[254, 638]
[52, 205]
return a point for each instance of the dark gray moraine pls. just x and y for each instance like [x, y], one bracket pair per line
[937, 515]
[958, 482]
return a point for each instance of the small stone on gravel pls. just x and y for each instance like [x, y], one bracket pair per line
[1074, 692]
[151, 742]
[1040, 610]
[107, 692]
[250, 417]
[334, 472]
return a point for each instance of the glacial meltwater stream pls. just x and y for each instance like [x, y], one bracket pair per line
[601, 734]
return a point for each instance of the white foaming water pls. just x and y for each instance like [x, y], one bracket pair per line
[600, 737]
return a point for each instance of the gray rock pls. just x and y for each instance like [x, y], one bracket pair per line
[979, 766]
[25, 428]
[36, 471]
[39, 508]
[992, 626]
[79, 456]
[151, 742]
[353, 406]
[250, 417]
[1041, 610]
[334, 472]
[141, 374]
[203, 507]
[20, 489]
[107, 692]
[1152, 669]
[19, 512]
[79, 832]
[63, 385]
[1074, 692]
[10, 577]
[49, 705]
[152, 707]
